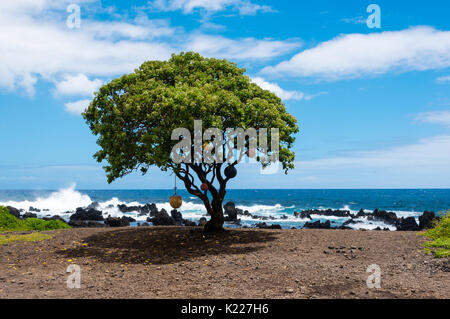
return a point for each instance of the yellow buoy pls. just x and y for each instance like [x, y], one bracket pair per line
[176, 201]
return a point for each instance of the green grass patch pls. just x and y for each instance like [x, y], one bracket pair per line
[440, 238]
[9, 222]
[33, 237]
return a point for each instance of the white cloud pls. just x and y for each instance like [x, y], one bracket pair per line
[36, 44]
[436, 117]
[355, 20]
[239, 49]
[78, 107]
[424, 164]
[78, 85]
[433, 152]
[142, 29]
[443, 79]
[282, 94]
[27, 82]
[244, 7]
[360, 55]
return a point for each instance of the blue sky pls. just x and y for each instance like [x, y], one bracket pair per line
[373, 104]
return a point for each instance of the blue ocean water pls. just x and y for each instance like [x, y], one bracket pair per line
[275, 203]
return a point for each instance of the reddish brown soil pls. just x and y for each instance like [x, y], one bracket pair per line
[180, 263]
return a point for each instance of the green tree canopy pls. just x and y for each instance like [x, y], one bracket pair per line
[134, 117]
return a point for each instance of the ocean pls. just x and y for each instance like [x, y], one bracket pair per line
[275, 203]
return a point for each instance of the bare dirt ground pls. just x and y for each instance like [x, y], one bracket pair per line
[181, 263]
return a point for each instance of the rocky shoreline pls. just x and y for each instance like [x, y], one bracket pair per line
[92, 216]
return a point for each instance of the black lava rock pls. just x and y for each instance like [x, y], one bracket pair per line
[408, 224]
[265, 226]
[426, 220]
[202, 222]
[117, 221]
[162, 218]
[29, 215]
[13, 211]
[303, 215]
[318, 225]
[85, 214]
[177, 217]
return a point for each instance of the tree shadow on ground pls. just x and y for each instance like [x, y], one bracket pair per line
[165, 245]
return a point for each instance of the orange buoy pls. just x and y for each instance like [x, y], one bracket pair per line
[176, 200]
[206, 146]
[204, 187]
[251, 153]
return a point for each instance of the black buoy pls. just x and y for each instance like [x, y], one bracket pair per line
[230, 172]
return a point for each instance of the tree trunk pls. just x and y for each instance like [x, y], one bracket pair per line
[217, 219]
[214, 208]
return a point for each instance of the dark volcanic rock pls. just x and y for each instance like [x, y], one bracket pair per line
[343, 227]
[84, 214]
[408, 224]
[349, 222]
[189, 223]
[318, 225]
[265, 226]
[93, 205]
[426, 220]
[202, 222]
[231, 212]
[32, 209]
[13, 211]
[162, 218]
[177, 217]
[379, 229]
[152, 209]
[117, 221]
[147, 209]
[388, 217]
[125, 209]
[329, 212]
[302, 215]
[56, 217]
[29, 215]
[361, 213]
[245, 213]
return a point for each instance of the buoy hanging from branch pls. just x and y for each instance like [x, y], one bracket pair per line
[230, 172]
[204, 187]
[176, 200]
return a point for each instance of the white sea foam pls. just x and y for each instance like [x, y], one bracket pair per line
[65, 201]
[263, 209]
[57, 202]
[364, 223]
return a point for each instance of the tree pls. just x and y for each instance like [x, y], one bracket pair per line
[135, 115]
